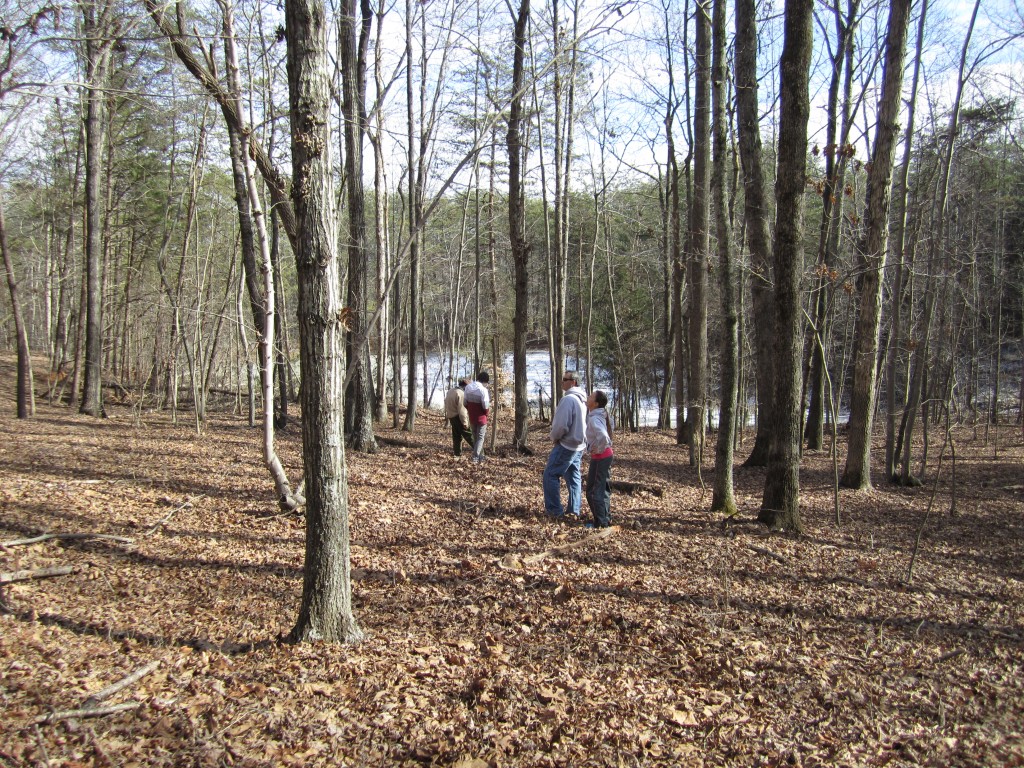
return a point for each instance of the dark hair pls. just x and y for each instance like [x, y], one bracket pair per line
[482, 376]
[463, 382]
[600, 398]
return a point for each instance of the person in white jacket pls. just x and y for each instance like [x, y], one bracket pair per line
[568, 426]
[478, 405]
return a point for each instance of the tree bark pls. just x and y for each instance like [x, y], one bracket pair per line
[832, 194]
[517, 231]
[920, 355]
[25, 391]
[96, 56]
[723, 498]
[326, 610]
[780, 505]
[872, 251]
[359, 394]
[698, 240]
[414, 246]
[755, 216]
[899, 246]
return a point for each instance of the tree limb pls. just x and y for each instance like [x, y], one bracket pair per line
[511, 561]
[92, 702]
[65, 537]
[40, 573]
[67, 714]
[768, 553]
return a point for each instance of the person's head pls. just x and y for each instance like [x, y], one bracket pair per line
[463, 382]
[483, 377]
[597, 399]
[570, 379]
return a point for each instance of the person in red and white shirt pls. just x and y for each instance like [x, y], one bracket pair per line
[599, 446]
[478, 404]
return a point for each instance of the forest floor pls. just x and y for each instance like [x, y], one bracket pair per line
[675, 640]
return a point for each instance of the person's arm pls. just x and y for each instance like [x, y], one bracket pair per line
[559, 422]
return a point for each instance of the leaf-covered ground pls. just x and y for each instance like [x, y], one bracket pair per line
[673, 641]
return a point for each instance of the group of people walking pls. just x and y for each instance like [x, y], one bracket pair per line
[580, 424]
[467, 406]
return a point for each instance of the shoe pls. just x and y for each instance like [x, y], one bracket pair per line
[589, 526]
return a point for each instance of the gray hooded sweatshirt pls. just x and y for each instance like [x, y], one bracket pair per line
[569, 424]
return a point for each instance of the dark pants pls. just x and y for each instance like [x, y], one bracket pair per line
[599, 491]
[460, 433]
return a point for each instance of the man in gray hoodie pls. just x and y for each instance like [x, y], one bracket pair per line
[567, 433]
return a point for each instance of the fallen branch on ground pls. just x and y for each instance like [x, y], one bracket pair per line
[169, 515]
[67, 714]
[40, 573]
[65, 537]
[92, 702]
[512, 561]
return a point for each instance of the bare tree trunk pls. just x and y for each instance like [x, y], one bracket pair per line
[919, 357]
[679, 321]
[326, 611]
[25, 391]
[97, 54]
[899, 246]
[755, 213]
[517, 231]
[678, 283]
[698, 240]
[780, 505]
[723, 498]
[832, 194]
[286, 498]
[873, 249]
[670, 237]
[414, 248]
[380, 217]
[359, 395]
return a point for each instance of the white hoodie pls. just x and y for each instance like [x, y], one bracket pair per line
[569, 424]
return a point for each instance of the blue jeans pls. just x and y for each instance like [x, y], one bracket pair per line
[479, 432]
[599, 491]
[562, 463]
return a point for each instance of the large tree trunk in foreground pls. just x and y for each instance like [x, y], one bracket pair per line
[755, 217]
[780, 505]
[326, 611]
[873, 252]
